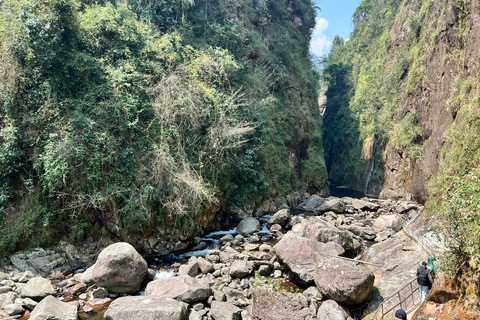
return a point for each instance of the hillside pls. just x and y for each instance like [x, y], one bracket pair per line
[122, 119]
[402, 117]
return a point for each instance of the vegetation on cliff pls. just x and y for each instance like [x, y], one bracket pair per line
[131, 116]
[402, 112]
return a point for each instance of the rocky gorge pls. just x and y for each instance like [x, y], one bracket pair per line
[302, 268]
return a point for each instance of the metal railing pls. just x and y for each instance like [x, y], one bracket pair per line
[407, 298]
[434, 248]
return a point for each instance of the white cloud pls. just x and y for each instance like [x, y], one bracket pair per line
[320, 44]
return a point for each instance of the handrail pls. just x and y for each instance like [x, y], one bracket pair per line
[403, 302]
[433, 248]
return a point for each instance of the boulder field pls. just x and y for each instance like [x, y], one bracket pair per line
[302, 269]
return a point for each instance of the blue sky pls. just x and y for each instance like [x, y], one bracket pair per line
[335, 18]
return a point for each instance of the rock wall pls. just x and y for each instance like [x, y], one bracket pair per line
[411, 71]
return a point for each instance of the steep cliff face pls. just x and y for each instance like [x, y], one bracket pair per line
[132, 118]
[410, 73]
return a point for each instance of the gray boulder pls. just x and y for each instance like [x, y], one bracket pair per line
[281, 217]
[343, 281]
[240, 268]
[185, 289]
[312, 203]
[392, 221]
[364, 205]
[37, 289]
[300, 254]
[146, 308]
[13, 309]
[324, 232]
[248, 226]
[190, 269]
[205, 266]
[225, 311]
[268, 304]
[330, 310]
[119, 269]
[7, 298]
[52, 309]
[335, 205]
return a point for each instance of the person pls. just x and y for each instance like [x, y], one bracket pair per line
[400, 315]
[424, 280]
[432, 267]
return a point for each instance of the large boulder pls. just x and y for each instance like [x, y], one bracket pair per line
[119, 269]
[300, 254]
[146, 308]
[225, 311]
[37, 288]
[391, 221]
[330, 310]
[343, 281]
[281, 218]
[269, 304]
[65, 258]
[7, 298]
[335, 205]
[364, 205]
[248, 226]
[185, 289]
[324, 232]
[312, 203]
[52, 309]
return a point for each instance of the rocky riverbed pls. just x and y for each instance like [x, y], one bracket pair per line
[300, 269]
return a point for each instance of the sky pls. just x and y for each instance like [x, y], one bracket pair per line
[335, 18]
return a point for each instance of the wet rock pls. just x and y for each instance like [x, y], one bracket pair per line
[330, 310]
[248, 226]
[184, 289]
[343, 281]
[202, 245]
[37, 288]
[145, 308]
[268, 304]
[299, 254]
[78, 288]
[281, 217]
[225, 311]
[119, 269]
[52, 309]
